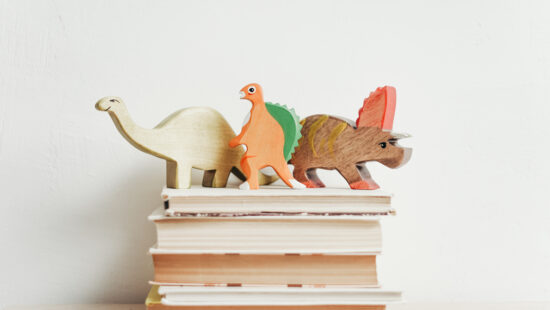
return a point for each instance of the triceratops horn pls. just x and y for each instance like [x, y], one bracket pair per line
[400, 135]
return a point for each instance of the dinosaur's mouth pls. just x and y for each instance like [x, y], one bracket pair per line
[242, 94]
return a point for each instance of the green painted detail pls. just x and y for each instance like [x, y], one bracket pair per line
[290, 122]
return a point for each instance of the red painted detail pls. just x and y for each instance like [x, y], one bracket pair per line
[310, 184]
[364, 184]
[378, 109]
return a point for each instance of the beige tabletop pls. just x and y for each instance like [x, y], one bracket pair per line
[402, 306]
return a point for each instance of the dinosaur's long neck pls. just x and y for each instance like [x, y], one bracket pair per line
[141, 138]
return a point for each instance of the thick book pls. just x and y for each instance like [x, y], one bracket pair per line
[271, 234]
[155, 301]
[272, 200]
[274, 296]
[173, 268]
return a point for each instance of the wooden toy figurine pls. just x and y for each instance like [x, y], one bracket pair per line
[194, 137]
[265, 142]
[329, 142]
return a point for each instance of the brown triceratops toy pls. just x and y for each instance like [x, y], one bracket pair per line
[330, 142]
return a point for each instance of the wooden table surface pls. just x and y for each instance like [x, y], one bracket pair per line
[402, 306]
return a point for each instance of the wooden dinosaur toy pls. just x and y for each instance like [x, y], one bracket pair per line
[195, 137]
[330, 142]
[265, 142]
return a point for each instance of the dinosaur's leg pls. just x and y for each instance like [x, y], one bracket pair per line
[263, 179]
[313, 177]
[284, 173]
[353, 177]
[299, 174]
[171, 174]
[216, 178]
[178, 174]
[365, 175]
[250, 167]
[220, 177]
[208, 178]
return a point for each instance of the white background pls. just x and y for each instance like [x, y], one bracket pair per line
[473, 87]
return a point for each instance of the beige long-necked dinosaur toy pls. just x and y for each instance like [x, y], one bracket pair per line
[196, 137]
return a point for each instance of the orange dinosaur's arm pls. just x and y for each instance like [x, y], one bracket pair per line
[235, 141]
[238, 140]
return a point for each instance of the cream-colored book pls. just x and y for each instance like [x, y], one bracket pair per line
[154, 302]
[274, 200]
[268, 234]
[274, 296]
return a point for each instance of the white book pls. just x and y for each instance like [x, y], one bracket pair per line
[267, 234]
[276, 296]
[275, 200]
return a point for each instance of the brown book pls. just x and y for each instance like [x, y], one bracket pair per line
[264, 269]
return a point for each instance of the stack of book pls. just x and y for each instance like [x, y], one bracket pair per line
[271, 248]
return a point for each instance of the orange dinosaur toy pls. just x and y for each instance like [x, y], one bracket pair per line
[264, 139]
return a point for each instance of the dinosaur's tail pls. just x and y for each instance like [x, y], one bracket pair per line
[263, 179]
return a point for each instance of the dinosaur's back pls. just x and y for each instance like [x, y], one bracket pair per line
[201, 136]
[324, 140]
[328, 142]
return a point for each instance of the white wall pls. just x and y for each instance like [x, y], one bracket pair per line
[473, 82]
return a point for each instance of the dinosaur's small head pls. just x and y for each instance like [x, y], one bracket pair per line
[401, 160]
[252, 92]
[375, 124]
[107, 103]
[383, 147]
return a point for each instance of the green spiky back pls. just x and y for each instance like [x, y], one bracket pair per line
[290, 122]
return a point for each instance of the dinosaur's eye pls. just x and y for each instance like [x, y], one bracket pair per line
[382, 145]
[251, 90]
